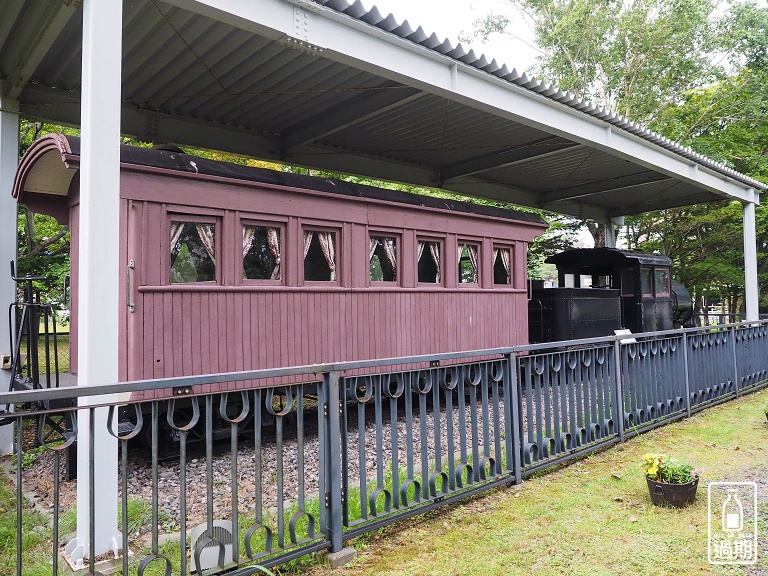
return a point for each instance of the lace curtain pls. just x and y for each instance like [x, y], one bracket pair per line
[505, 260]
[326, 240]
[204, 231]
[434, 250]
[391, 252]
[329, 251]
[388, 244]
[273, 239]
[248, 233]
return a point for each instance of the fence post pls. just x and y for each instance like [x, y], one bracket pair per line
[687, 376]
[514, 412]
[332, 412]
[618, 388]
[732, 330]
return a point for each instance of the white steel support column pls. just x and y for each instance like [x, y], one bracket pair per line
[99, 275]
[751, 288]
[612, 228]
[9, 159]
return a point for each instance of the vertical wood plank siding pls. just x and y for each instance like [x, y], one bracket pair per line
[232, 325]
[249, 330]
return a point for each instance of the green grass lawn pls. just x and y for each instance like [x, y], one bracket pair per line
[593, 517]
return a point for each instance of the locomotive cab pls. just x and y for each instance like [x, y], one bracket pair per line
[643, 281]
[605, 289]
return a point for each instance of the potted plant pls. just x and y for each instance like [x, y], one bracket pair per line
[670, 481]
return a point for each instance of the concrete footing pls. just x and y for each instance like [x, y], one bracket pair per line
[338, 559]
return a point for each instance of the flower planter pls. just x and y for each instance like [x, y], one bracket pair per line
[677, 495]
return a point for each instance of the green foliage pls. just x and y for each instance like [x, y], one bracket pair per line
[28, 457]
[652, 60]
[662, 468]
[634, 57]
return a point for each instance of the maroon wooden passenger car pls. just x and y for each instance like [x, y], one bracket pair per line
[236, 268]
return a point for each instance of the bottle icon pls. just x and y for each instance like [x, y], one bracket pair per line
[733, 513]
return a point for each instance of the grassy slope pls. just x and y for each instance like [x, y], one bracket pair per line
[593, 517]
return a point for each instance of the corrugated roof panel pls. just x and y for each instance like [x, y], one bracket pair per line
[187, 66]
[545, 174]
[459, 53]
[434, 135]
[15, 25]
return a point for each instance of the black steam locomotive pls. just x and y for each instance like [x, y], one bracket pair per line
[601, 290]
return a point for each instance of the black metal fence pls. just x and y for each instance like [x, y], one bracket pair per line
[268, 474]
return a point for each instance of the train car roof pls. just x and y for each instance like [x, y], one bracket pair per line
[43, 172]
[599, 257]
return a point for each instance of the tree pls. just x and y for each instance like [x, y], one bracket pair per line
[635, 56]
[726, 122]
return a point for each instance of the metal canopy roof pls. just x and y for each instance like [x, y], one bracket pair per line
[330, 85]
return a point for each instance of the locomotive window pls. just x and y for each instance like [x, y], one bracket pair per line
[261, 253]
[645, 281]
[193, 252]
[627, 282]
[661, 281]
[428, 258]
[319, 256]
[502, 268]
[468, 263]
[383, 258]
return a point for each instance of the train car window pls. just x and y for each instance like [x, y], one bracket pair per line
[502, 266]
[428, 258]
[319, 256]
[646, 285]
[193, 252]
[261, 252]
[570, 280]
[627, 282]
[661, 281]
[383, 258]
[468, 263]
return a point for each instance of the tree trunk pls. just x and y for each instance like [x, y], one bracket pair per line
[598, 233]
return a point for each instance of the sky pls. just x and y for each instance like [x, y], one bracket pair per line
[449, 18]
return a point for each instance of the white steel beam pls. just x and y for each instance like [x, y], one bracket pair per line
[751, 288]
[9, 159]
[330, 34]
[99, 278]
